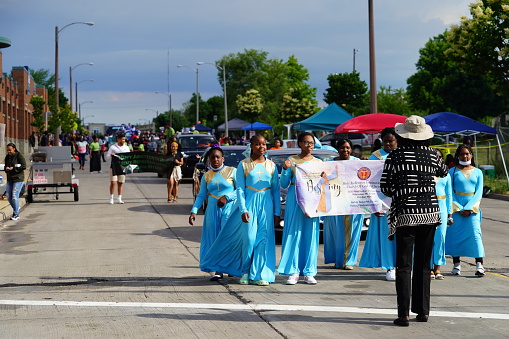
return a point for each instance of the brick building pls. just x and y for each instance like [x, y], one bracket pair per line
[16, 90]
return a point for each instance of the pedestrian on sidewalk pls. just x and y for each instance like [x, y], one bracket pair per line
[117, 175]
[15, 166]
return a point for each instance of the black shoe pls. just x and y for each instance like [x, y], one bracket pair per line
[216, 277]
[422, 318]
[402, 321]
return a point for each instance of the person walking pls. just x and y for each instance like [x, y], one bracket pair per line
[408, 177]
[464, 236]
[259, 202]
[217, 186]
[117, 175]
[342, 233]
[299, 251]
[32, 140]
[15, 166]
[95, 156]
[175, 172]
[444, 195]
[82, 146]
[378, 250]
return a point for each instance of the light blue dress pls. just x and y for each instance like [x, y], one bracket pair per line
[378, 251]
[258, 194]
[301, 235]
[444, 195]
[215, 184]
[341, 237]
[464, 236]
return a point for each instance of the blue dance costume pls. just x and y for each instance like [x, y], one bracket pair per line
[258, 194]
[378, 251]
[215, 184]
[341, 237]
[299, 252]
[444, 196]
[464, 236]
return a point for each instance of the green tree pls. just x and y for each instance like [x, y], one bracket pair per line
[348, 91]
[480, 44]
[296, 106]
[38, 113]
[392, 101]
[440, 85]
[272, 78]
[250, 105]
[43, 77]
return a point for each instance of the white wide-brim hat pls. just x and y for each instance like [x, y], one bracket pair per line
[414, 128]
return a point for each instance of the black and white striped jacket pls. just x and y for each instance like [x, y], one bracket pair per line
[408, 177]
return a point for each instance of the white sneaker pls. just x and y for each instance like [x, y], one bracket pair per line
[309, 279]
[456, 269]
[120, 201]
[390, 275]
[15, 217]
[480, 270]
[293, 279]
[111, 201]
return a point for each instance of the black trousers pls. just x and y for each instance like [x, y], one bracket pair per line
[413, 242]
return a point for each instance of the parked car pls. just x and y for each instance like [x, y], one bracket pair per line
[193, 146]
[360, 141]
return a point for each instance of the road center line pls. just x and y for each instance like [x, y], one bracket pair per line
[250, 307]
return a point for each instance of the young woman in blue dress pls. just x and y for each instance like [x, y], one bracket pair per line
[259, 202]
[217, 186]
[464, 236]
[379, 251]
[342, 233]
[299, 252]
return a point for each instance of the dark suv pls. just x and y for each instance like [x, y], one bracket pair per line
[193, 146]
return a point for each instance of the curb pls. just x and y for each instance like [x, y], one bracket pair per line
[497, 196]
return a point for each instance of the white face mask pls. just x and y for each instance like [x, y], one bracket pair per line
[465, 163]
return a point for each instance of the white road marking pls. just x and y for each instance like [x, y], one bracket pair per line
[249, 307]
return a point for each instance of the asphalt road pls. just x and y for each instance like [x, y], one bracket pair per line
[89, 269]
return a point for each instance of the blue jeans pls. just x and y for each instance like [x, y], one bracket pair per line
[13, 191]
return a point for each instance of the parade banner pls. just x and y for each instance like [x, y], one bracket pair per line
[145, 162]
[340, 187]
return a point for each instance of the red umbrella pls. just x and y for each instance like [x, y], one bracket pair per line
[369, 123]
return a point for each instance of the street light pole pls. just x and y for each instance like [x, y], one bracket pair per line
[197, 93]
[88, 116]
[372, 65]
[222, 68]
[79, 110]
[70, 81]
[169, 106]
[76, 92]
[57, 32]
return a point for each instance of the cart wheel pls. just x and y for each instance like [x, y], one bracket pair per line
[76, 194]
[30, 195]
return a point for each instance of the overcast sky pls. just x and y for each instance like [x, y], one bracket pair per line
[130, 40]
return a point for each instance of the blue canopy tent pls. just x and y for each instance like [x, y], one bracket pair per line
[325, 120]
[202, 128]
[452, 123]
[256, 126]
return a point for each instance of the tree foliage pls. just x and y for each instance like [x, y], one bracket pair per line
[480, 44]
[250, 105]
[392, 101]
[441, 85]
[272, 78]
[348, 91]
[38, 113]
